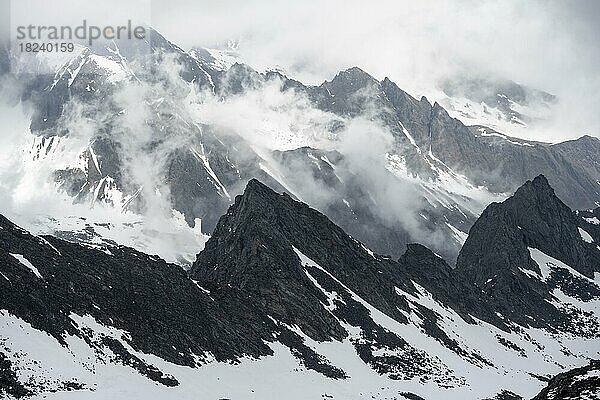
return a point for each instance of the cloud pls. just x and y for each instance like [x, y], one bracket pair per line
[29, 194]
[548, 45]
[415, 45]
[267, 117]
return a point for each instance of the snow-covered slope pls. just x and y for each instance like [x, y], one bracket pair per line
[282, 303]
[500, 104]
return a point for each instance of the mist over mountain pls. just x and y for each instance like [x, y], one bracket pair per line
[176, 222]
[279, 282]
[390, 169]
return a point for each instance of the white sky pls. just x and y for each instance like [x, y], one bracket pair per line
[551, 45]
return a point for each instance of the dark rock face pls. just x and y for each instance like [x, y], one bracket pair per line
[255, 248]
[275, 270]
[255, 245]
[245, 290]
[533, 217]
[9, 383]
[578, 383]
[252, 249]
[166, 313]
[447, 284]
[496, 253]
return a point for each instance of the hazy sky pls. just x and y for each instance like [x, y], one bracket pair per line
[532, 39]
[552, 45]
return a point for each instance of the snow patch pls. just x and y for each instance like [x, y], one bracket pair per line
[586, 236]
[529, 273]
[547, 263]
[29, 265]
[460, 236]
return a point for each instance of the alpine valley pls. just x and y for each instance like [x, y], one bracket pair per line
[178, 225]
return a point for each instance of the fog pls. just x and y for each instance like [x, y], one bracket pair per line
[548, 45]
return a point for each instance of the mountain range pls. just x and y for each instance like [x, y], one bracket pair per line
[342, 241]
[388, 168]
[278, 282]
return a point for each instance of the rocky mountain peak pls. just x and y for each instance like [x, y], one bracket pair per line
[498, 255]
[534, 217]
[255, 246]
[355, 74]
[255, 188]
[538, 189]
[255, 207]
[350, 81]
[252, 248]
[276, 270]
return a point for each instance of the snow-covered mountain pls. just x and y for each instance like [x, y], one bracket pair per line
[281, 302]
[166, 136]
[296, 211]
[500, 104]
